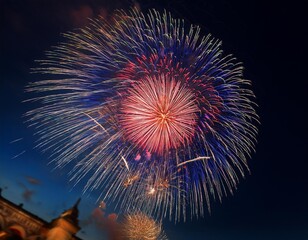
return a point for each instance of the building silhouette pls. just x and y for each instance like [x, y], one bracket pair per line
[16, 223]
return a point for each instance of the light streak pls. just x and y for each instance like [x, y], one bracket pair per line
[193, 160]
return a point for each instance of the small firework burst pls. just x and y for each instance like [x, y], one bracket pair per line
[148, 111]
[139, 226]
[159, 114]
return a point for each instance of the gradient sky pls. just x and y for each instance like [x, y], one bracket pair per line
[271, 203]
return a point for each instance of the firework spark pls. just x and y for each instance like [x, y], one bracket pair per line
[159, 114]
[144, 106]
[139, 226]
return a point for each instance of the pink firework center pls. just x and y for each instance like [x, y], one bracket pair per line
[159, 113]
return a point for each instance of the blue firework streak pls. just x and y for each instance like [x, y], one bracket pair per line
[149, 112]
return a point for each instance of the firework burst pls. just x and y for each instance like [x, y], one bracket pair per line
[149, 112]
[139, 226]
[159, 114]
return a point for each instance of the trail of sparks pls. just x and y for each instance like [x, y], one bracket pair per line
[193, 160]
[125, 162]
[96, 122]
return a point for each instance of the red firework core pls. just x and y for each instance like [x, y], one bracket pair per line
[158, 113]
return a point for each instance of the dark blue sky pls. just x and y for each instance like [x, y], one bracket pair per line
[271, 203]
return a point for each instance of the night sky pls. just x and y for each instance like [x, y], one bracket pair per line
[270, 203]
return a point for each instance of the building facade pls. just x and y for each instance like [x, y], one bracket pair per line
[16, 223]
